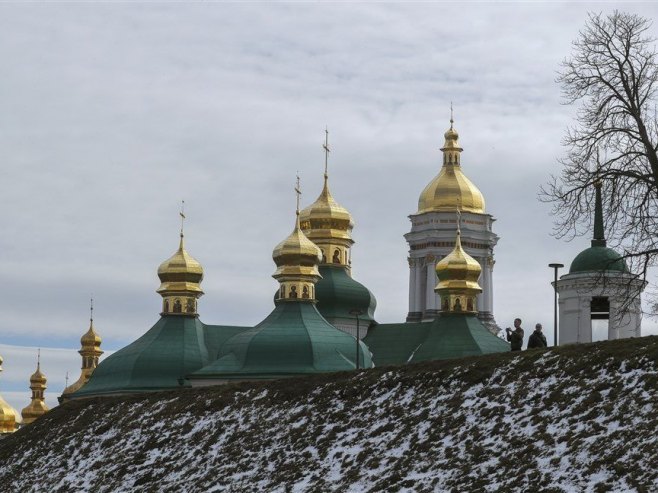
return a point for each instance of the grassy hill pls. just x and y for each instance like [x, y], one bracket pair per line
[579, 418]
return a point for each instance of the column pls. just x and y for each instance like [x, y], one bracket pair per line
[418, 301]
[412, 285]
[585, 320]
[614, 321]
[430, 295]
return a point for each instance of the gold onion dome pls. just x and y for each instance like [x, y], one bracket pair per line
[451, 189]
[458, 275]
[8, 415]
[297, 259]
[325, 217]
[180, 281]
[37, 406]
[90, 339]
[180, 271]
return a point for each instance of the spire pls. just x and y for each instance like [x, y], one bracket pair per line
[298, 192]
[599, 233]
[297, 260]
[452, 120]
[325, 146]
[182, 223]
[37, 406]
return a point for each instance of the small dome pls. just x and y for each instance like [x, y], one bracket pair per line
[91, 337]
[180, 272]
[598, 258]
[458, 270]
[326, 215]
[38, 378]
[297, 249]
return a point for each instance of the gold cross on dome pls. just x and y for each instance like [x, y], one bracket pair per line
[182, 216]
[325, 146]
[298, 191]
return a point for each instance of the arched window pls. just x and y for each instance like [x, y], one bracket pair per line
[293, 291]
[178, 308]
[336, 258]
[305, 292]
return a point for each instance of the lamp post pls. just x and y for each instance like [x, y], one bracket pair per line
[356, 312]
[555, 267]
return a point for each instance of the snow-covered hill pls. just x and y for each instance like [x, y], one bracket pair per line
[581, 418]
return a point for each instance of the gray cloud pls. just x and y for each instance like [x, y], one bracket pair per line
[113, 113]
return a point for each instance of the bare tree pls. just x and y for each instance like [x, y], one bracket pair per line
[612, 74]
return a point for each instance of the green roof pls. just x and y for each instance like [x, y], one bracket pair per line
[393, 344]
[160, 359]
[448, 336]
[293, 340]
[598, 258]
[338, 294]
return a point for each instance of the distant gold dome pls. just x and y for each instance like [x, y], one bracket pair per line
[37, 406]
[91, 337]
[180, 272]
[8, 415]
[325, 218]
[451, 190]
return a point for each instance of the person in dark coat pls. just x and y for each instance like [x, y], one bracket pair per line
[515, 337]
[537, 338]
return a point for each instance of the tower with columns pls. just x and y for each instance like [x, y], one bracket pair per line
[432, 236]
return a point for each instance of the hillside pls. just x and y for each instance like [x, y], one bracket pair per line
[579, 418]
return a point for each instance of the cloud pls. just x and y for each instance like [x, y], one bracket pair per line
[113, 114]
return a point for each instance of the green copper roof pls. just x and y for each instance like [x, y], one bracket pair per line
[454, 336]
[598, 258]
[337, 294]
[393, 344]
[160, 359]
[448, 336]
[293, 340]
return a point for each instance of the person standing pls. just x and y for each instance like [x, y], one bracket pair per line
[537, 338]
[515, 337]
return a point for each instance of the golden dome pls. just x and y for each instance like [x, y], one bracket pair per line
[8, 415]
[37, 406]
[91, 337]
[325, 218]
[458, 270]
[450, 190]
[180, 272]
[38, 378]
[297, 260]
[297, 249]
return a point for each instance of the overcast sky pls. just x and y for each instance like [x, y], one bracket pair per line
[111, 114]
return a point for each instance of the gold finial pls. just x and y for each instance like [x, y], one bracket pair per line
[325, 146]
[182, 217]
[451, 116]
[91, 309]
[67, 380]
[38, 359]
[459, 220]
[298, 191]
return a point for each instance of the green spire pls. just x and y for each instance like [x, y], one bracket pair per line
[599, 235]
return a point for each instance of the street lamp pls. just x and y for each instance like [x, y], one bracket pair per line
[356, 312]
[555, 267]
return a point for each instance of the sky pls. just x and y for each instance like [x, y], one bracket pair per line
[112, 113]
